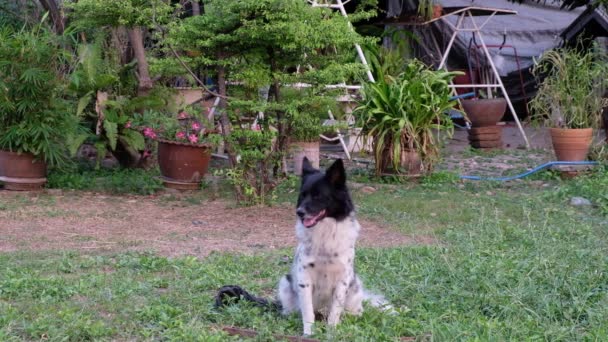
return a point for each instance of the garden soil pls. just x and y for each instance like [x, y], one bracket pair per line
[166, 224]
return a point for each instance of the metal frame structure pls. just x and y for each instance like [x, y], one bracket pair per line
[467, 12]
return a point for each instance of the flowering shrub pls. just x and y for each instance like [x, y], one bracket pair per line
[185, 127]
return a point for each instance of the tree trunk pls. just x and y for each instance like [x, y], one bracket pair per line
[120, 42]
[55, 13]
[196, 7]
[136, 37]
[225, 125]
[224, 120]
[282, 137]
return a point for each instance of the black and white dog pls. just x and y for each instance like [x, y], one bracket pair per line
[322, 280]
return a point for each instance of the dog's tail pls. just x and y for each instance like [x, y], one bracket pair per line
[236, 293]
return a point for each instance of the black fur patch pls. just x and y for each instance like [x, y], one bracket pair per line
[325, 191]
[237, 293]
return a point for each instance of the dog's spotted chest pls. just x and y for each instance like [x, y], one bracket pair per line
[326, 253]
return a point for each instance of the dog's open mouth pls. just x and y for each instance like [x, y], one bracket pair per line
[309, 221]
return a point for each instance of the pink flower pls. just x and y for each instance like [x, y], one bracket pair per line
[196, 126]
[180, 135]
[146, 154]
[193, 138]
[128, 124]
[182, 115]
[149, 133]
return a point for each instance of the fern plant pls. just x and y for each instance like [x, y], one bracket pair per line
[34, 116]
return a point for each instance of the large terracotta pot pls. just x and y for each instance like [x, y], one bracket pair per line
[21, 171]
[484, 112]
[571, 144]
[302, 149]
[410, 163]
[183, 165]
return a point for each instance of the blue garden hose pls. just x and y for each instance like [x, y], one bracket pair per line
[527, 173]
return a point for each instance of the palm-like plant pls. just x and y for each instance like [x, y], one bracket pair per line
[570, 96]
[403, 114]
[34, 117]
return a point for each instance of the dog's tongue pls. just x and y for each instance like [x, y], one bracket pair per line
[311, 221]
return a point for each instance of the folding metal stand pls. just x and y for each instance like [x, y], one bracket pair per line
[470, 13]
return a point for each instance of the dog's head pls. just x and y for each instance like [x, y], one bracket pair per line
[323, 194]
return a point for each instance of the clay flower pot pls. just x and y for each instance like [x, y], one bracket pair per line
[484, 112]
[410, 163]
[21, 171]
[437, 11]
[303, 149]
[571, 144]
[183, 165]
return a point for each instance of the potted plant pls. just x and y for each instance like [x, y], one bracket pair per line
[36, 123]
[484, 112]
[304, 140]
[429, 9]
[185, 141]
[569, 99]
[402, 117]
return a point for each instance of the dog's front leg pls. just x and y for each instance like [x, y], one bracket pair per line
[337, 303]
[305, 300]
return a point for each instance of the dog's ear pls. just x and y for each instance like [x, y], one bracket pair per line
[307, 167]
[336, 173]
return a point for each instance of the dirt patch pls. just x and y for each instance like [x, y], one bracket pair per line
[168, 225]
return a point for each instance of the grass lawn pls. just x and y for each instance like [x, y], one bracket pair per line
[511, 262]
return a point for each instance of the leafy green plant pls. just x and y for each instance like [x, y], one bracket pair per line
[306, 129]
[252, 175]
[425, 8]
[135, 16]
[187, 126]
[272, 44]
[401, 114]
[114, 181]
[107, 102]
[34, 115]
[570, 95]
[384, 61]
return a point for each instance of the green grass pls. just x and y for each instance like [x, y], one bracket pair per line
[487, 280]
[511, 262]
[114, 181]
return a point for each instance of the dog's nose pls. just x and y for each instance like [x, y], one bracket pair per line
[300, 212]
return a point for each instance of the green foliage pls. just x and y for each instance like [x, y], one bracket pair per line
[34, 116]
[272, 43]
[188, 126]
[129, 13]
[591, 186]
[306, 129]
[115, 181]
[98, 71]
[571, 94]
[10, 14]
[402, 113]
[384, 61]
[252, 175]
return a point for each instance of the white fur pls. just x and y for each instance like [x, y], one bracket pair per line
[323, 278]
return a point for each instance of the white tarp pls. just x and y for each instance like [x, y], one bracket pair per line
[533, 30]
